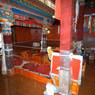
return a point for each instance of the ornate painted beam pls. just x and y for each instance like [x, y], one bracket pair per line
[31, 8]
[22, 12]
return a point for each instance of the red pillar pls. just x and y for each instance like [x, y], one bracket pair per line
[80, 23]
[66, 24]
[58, 8]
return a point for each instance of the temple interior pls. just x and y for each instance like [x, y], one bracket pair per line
[47, 43]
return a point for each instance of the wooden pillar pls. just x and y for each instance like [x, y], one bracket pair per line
[66, 25]
[66, 21]
[80, 23]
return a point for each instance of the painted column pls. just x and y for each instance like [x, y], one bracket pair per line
[43, 40]
[64, 12]
[66, 25]
[4, 67]
[6, 20]
[8, 47]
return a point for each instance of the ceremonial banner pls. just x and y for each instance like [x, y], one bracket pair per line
[55, 63]
[76, 68]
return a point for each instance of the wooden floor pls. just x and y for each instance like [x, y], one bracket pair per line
[88, 82]
[20, 85]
